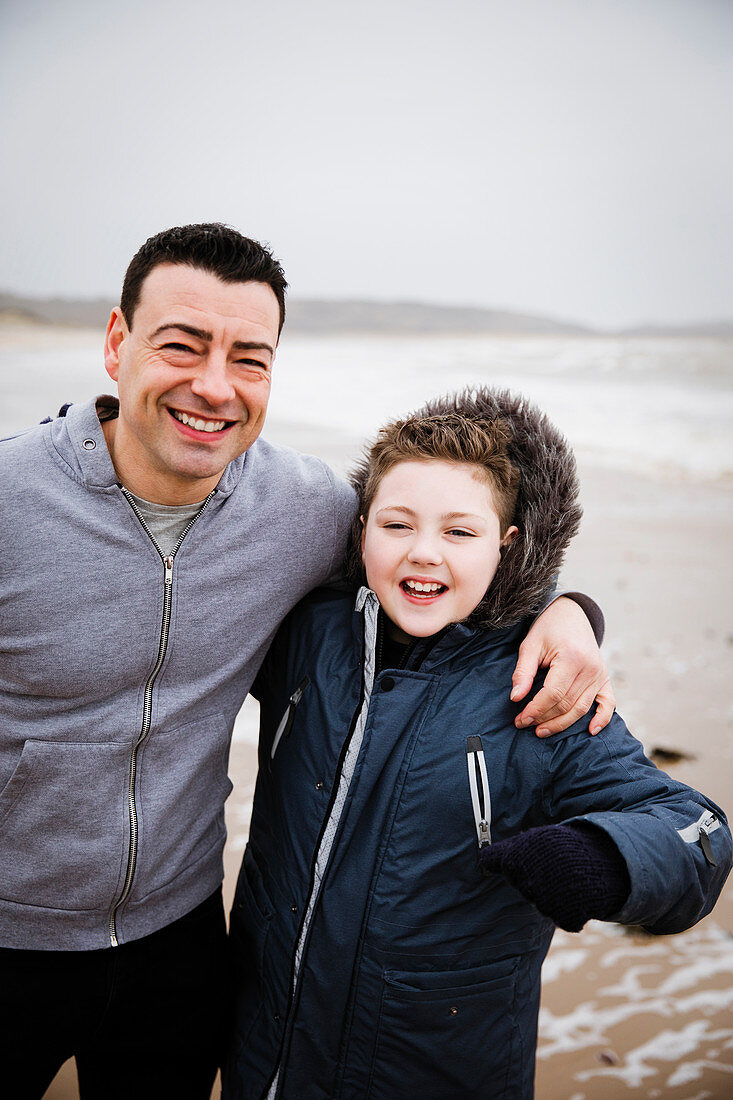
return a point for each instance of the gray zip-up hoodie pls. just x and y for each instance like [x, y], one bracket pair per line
[121, 674]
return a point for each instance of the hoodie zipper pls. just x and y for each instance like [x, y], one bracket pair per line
[147, 701]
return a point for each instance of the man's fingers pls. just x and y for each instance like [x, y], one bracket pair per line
[528, 662]
[606, 706]
[567, 712]
[577, 710]
[553, 700]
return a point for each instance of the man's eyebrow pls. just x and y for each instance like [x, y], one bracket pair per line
[191, 330]
[252, 345]
[207, 337]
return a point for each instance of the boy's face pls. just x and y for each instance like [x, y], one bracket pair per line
[430, 544]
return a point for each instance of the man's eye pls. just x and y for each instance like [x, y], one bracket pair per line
[179, 347]
[252, 364]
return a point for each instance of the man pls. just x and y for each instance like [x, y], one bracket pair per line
[150, 549]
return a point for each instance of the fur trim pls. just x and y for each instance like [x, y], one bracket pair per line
[547, 512]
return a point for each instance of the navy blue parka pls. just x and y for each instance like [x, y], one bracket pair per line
[373, 960]
[416, 974]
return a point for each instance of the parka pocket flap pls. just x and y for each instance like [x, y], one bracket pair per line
[435, 984]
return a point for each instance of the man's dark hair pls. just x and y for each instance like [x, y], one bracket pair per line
[209, 246]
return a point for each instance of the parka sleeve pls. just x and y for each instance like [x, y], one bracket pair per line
[676, 843]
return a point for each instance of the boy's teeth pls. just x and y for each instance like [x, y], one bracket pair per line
[427, 586]
[199, 425]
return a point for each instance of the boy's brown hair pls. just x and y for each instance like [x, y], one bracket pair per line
[449, 437]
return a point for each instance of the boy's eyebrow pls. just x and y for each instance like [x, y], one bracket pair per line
[207, 337]
[446, 515]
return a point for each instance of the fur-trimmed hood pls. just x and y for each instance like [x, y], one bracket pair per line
[547, 511]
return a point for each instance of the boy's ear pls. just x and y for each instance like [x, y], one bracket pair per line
[363, 535]
[509, 536]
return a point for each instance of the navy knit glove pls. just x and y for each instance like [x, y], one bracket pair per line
[572, 873]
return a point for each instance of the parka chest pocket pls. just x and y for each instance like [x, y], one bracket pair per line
[286, 722]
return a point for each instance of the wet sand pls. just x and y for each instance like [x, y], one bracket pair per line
[624, 1014]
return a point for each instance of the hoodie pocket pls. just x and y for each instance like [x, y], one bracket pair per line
[446, 1034]
[182, 787]
[63, 825]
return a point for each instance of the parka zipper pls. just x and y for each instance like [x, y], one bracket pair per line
[478, 781]
[286, 723]
[699, 833]
[367, 681]
[147, 701]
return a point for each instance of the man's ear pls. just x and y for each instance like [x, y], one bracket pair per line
[117, 332]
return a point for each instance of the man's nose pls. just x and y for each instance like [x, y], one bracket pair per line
[212, 382]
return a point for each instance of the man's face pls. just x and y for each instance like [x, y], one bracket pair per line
[193, 375]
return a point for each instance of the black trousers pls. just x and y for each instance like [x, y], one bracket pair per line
[147, 1019]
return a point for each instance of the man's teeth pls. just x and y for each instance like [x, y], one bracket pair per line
[420, 586]
[199, 425]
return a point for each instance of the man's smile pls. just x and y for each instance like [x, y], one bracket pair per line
[199, 424]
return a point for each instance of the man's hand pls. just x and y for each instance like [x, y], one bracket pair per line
[562, 640]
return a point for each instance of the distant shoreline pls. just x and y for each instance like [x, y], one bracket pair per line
[329, 316]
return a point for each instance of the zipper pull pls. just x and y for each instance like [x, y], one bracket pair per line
[706, 846]
[168, 563]
[298, 693]
[478, 780]
[288, 717]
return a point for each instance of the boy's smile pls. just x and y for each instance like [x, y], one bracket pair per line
[431, 544]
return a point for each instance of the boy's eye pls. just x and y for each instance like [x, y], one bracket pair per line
[395, 526]
[462, 533]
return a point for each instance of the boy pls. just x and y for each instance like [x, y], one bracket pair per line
[410, 851]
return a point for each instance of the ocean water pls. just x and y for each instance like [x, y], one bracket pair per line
[661, 406]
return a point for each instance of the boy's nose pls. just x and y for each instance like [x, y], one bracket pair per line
[425, 551]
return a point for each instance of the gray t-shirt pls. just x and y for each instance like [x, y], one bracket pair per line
[166, 521]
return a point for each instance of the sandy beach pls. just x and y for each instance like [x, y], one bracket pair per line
[623, 1013]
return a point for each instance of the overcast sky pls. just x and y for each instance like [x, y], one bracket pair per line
[568, 157]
